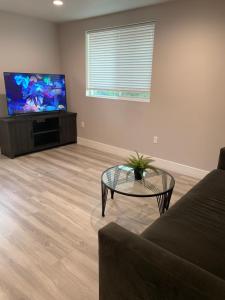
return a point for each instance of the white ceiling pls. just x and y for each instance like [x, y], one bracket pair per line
[72, 9]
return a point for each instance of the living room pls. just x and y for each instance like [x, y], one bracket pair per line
[111, 118]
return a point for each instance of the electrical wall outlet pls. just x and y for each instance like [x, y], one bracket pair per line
[82, 124]
[155, 139]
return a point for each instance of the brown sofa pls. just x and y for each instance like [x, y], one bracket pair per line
[180, 256]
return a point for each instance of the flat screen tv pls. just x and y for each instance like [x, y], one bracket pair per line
[34, 93]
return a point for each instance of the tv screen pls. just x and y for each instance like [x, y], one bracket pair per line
[33, 93]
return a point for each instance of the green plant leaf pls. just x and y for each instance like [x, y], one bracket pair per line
[139, 161]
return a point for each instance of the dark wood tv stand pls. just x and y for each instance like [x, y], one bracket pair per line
[30, 133]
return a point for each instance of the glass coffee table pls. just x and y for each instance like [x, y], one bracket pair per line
[155, 183]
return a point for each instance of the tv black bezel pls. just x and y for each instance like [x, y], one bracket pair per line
[32, 112]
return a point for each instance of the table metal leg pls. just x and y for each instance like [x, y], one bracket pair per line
[164, 202]
[104, 197]
[112, 194]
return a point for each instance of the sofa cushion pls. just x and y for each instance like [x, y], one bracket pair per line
[194, 228]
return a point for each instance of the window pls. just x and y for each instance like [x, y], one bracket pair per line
[119, 62]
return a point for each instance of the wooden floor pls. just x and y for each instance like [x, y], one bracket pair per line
[50, 213]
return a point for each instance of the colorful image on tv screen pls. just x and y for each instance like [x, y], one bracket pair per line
[30, 93]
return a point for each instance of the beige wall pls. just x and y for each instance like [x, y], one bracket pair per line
[26, 45]
[187, 109]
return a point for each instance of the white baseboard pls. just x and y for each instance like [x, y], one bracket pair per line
[161, 163]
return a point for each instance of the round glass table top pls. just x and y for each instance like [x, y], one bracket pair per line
[121, 179]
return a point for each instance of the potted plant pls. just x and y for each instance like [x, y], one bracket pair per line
[139, 164]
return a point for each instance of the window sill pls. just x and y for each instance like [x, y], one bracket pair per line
[120, 98]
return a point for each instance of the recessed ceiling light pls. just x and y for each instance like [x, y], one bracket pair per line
[58, 2]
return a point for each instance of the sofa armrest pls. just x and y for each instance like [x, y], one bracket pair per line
[131, 267]
[221, 163]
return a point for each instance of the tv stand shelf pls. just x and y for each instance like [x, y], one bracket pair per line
[46, 131]
[29, 133]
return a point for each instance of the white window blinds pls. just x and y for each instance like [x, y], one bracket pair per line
[119, 62]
